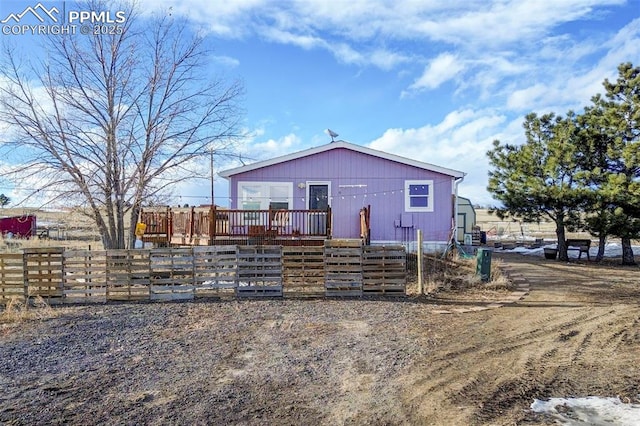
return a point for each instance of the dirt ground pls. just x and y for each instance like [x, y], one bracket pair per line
[400, 361]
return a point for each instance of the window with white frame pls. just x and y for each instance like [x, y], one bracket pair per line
[418, 195]
[265, 195]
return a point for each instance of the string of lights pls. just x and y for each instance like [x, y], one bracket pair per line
[344, 191]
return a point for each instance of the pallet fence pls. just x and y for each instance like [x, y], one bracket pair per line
[342, 268]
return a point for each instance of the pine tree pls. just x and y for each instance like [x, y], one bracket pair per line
[537, 179]
[620, 186]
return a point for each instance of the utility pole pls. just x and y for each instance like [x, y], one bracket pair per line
[211, 166]
[212, 208]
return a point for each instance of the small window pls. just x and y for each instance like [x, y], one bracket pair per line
[418, 196]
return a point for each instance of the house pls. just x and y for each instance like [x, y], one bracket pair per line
[466, 218]
[399, 195]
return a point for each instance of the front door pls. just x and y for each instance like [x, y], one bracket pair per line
[318, 196]
[318, 200]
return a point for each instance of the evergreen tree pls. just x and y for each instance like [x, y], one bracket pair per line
[537, 179]
[620, 109]
[598, 218]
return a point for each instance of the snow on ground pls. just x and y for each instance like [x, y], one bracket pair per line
[610, 250]
[589, 411]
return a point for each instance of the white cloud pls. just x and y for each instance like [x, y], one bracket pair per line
[460, 141]
[226, 61]
[441, 69]
[500, 23]
[527, 98]
[491, 39]
[275, 147]
[304, 41]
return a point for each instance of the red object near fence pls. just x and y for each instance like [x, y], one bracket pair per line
[18, 226]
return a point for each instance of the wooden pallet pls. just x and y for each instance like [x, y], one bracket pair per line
[343, 268]
[171, 274]
[42, 271]
[303, 271]
[259, 271]
[128, 274]
[84, 278]
[11, 277]
[215, 271]
[384, 270]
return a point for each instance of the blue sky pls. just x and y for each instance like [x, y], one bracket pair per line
[431, 80]
[436, 81]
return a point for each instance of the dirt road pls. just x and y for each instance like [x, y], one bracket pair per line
[576, 333]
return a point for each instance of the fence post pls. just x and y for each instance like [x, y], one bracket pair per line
[419, 238]
[25, 274]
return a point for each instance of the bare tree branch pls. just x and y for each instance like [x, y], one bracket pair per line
[116, 119]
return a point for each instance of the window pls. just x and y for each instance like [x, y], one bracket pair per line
[265, 195]
[418, 196]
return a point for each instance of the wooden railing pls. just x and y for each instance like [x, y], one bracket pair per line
[219, 226]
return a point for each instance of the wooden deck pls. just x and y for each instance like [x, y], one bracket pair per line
[215, 226]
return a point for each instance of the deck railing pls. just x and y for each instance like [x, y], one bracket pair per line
[216, 225]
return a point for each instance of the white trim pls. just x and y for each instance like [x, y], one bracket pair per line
[456, 210]
[407, 195]
[346, 145]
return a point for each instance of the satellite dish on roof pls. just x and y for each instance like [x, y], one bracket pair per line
[332, 134]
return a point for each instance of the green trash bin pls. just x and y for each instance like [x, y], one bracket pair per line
[483, 266]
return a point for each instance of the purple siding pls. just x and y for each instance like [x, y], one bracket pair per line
[358, 180]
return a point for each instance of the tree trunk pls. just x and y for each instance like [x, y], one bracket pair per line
[602, 240]
[134, 213]
[627, 252]
[562, 243]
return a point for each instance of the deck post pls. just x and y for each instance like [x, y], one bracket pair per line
[212, 224]
[192, 216]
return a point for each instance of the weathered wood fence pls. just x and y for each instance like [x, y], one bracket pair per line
[339, 268]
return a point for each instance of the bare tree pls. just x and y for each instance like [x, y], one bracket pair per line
[116, 119]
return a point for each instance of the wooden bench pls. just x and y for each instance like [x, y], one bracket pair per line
[582, 245]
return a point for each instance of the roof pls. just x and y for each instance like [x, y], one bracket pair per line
[336, 145]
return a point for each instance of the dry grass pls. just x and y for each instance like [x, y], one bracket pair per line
[16, 245]
[18, 310]
[456, 275]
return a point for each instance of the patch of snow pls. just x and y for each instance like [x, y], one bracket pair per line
[590, 410]
[610, 250]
